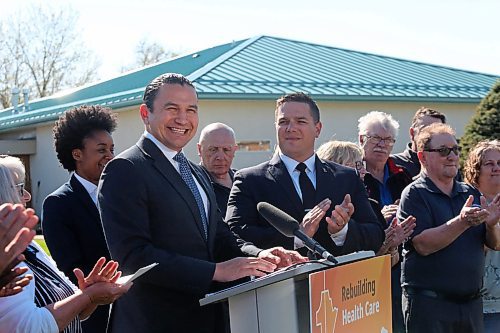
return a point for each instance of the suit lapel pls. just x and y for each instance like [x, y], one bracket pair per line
[163, 165]
[84, 197]
[324, 175]
[279, 172]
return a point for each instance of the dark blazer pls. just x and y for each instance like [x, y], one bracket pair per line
[271, 182]
[73, 233]
[149, 215]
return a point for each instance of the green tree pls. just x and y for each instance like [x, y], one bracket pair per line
[484, 124]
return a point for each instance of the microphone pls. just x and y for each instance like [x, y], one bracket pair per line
[289, 227]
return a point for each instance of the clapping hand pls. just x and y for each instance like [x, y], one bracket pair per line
[310, 222]
[340, 215]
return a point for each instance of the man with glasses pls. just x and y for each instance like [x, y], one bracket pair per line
[408, 158]
[384, 183]
[444, 258]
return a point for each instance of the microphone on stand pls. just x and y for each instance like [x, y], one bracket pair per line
[289, 227]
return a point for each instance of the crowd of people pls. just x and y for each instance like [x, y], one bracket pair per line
[199, 221]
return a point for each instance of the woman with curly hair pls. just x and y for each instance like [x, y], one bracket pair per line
[482, 170]
[70, 219]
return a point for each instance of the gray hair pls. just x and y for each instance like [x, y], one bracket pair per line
[8, 192]
[377, 117]
[213, 127]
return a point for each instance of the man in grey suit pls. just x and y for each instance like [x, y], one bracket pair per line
[156, 206]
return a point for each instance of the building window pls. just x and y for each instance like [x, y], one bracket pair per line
[262, 145]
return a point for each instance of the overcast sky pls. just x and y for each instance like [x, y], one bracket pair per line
[456, 33]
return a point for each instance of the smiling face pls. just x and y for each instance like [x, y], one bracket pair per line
[444, 168]
[98, 149]
[489, 173]
[296, 130]
[174, 118]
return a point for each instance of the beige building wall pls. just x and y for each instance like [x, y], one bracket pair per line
[251, 120]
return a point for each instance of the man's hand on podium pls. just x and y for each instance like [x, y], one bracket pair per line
[281, 257]
[238, 268]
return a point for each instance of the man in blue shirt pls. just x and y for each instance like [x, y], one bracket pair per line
[444, 261]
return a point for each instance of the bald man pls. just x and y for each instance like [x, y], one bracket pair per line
[216, 148]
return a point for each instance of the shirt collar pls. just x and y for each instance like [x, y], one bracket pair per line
[428, 184]
[169, 153]
[90, 187]
[291, 164]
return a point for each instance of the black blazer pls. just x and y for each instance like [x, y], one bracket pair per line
[150, 215]
[271, 182]
[73, 233]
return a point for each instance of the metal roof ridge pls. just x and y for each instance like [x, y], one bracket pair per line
[217, 61]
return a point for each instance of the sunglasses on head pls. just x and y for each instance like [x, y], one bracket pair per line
[445, 151]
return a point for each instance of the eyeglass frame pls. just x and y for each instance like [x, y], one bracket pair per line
[21, 187]
[445, 151]
[378, 139]
[358, 165]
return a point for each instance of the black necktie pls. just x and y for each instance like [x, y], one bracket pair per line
[306, 187]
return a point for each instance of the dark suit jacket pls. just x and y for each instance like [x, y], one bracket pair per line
[149, 215]
[73, 233]
[271, 182]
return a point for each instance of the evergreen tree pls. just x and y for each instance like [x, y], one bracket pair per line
[484, 124]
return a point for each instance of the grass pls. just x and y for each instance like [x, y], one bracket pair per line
[41, 241]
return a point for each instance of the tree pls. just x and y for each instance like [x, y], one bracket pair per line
[41, 49]
[148, 53]
[484, 124]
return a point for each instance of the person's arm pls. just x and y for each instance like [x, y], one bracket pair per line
[243, 218]
[434, 239]
[492, 222]
[59, 233]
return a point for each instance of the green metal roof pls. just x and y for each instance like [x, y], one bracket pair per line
[267, 67]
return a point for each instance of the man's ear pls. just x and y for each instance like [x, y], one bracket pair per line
[318, 128]
[144, 112]
[360, 139]
[412, 134]
[421, 157]
[199, 149]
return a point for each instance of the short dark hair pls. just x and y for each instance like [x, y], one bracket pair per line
[154, 86]
[75, 125]
[301, 98]
[425, 111]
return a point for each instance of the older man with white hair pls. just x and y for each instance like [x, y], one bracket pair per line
[216, 148]
[384, 183]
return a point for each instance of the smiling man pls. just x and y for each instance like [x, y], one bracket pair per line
[156, 206]
[328, 198]
[444, 259]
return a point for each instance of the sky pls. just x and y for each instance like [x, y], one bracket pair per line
[455, 33]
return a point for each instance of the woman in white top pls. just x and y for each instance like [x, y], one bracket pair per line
[50, 302]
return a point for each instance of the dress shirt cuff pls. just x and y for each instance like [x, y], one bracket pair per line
[339, 237]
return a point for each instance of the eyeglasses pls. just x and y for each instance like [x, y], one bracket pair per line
[20, 188]
[377, 139]
[445, 151]
[359, 165]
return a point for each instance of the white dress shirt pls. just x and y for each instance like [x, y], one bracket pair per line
[290, 164]
[90, 187]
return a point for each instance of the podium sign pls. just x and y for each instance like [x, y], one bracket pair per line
[354, 297]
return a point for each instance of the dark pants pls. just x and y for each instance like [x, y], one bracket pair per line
[98, 320]
[431, 315]
[492, 322]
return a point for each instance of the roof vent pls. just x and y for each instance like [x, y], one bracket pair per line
[26, 92]
[15, 99]
[196, 55]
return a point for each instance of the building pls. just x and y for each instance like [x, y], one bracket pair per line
[238, 84]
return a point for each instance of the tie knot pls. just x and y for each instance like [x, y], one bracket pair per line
[301, 167]
[180, 158]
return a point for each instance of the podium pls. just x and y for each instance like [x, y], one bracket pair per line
[281, 301]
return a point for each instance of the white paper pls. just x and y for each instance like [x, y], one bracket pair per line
[132, 277]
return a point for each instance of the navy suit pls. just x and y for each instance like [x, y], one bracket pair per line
[73, 233]
[270, 182]
[150, 215]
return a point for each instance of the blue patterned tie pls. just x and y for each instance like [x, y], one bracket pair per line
[186, 175]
